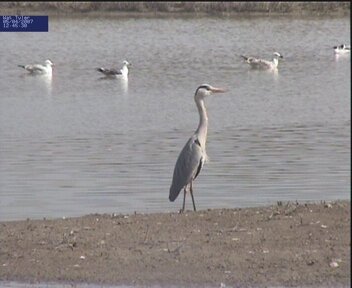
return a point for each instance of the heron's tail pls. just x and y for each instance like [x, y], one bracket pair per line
[244, 57]
[102, 70]
[174, 192]
[22, 66]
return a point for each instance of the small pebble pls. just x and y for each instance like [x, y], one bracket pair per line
[334, 264]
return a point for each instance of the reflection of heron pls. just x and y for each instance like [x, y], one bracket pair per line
[257, 63]
[342, 49]
[39, 68]
[193, 155]
[114, 73]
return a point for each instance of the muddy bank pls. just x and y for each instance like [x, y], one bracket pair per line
[174, 8]
[286, 244]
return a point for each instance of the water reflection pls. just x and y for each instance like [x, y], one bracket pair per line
[273, 73]
[124, 85]
[121, 83]
[342, 57]
[46, 81]
[43, 82]
[263, 76]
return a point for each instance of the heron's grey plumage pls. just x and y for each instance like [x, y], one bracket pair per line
[188, 165]
[193, 155]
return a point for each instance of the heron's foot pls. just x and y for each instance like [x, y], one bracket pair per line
[181, 211]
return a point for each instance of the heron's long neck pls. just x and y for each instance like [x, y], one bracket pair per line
[202, 129]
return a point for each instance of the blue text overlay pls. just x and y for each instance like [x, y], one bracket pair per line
[24, 23]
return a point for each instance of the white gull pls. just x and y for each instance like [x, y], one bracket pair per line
[45, 68]
[262, 64]
[123, 72]
[342, 49]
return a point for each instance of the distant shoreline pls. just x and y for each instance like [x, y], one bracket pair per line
[167, 9]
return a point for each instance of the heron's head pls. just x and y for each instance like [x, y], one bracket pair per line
[206, 90]
[278, 55]
[49, 62]
[126, 63]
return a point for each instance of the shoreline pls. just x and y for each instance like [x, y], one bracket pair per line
[175, 9]
[287, 244]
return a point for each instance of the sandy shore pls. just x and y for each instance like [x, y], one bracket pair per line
[287, 244]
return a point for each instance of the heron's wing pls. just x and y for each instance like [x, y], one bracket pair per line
[187, 167]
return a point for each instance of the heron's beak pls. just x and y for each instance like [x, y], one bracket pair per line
[217, 90]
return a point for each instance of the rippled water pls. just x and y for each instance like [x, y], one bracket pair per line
[77, 144]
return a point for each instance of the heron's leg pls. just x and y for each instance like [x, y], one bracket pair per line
[191, 190]
[184, 198]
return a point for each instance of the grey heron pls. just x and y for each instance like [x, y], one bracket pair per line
[123, 72]
[262, 64]
[45, 68]
[193, 155]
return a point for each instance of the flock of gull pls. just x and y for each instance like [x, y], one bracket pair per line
[193, 155]
[255, 63]
[47, 69]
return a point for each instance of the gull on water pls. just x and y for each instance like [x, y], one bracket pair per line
[342, 49]
[123, 72]
[45, 68]
[262, 64]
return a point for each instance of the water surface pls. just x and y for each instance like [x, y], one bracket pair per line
[75, 144]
